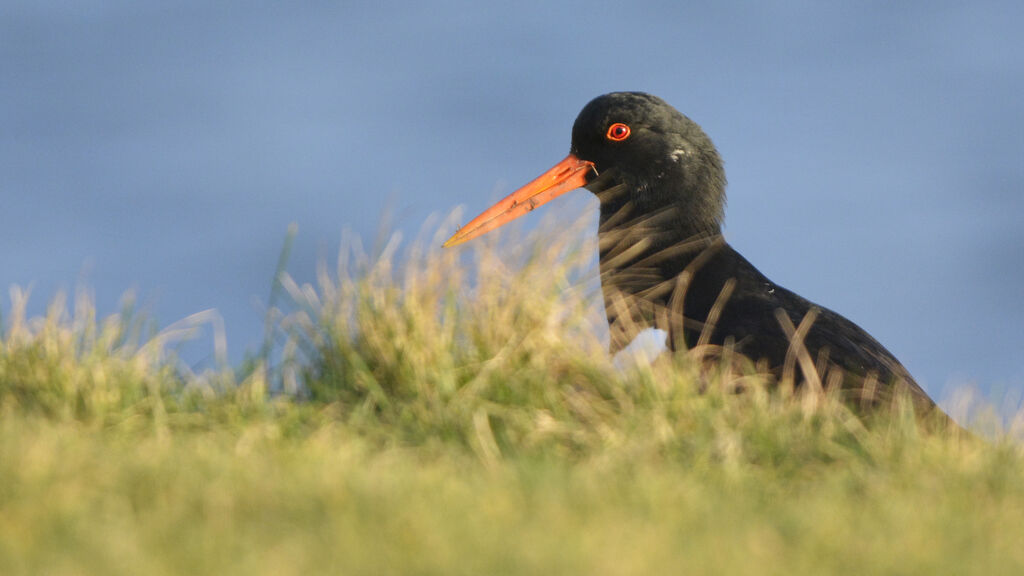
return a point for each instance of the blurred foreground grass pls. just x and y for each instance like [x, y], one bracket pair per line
[462, 417]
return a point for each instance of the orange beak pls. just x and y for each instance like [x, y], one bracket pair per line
[569, 174]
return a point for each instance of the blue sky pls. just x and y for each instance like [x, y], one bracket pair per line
[874, 151]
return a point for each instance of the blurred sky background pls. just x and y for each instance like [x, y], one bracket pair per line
[875, 151]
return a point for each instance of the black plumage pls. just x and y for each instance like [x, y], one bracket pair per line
[664, 263]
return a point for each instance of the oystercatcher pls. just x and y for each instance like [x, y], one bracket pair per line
[665, 265]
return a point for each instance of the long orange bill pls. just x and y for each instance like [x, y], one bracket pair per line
[569, 174]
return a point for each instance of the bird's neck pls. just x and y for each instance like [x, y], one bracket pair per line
[645, 225]
[646, 245]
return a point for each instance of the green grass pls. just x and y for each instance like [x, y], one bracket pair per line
[459, 415]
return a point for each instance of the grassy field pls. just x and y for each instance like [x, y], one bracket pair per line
[459, 415]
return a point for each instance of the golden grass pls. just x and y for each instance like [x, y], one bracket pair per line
[455, 412]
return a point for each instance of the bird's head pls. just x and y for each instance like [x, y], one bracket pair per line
[630, 149]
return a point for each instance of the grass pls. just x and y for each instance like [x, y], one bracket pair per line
[458, 414]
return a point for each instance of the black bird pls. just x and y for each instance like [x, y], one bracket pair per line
[664, 263]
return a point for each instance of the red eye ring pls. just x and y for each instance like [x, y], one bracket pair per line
[617, 132]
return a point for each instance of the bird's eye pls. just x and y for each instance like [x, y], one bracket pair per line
[617, 132]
